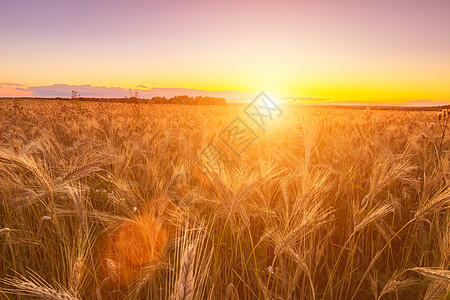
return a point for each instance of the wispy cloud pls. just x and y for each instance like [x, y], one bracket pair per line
[8, 89]
[8, 84]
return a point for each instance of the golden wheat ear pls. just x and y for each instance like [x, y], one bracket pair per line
[185, 284]
[432, 207]
[394, 285]
[36, 288]
[433, 273]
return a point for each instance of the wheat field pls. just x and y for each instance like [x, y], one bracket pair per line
[105, 201]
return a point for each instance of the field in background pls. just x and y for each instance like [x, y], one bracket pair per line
[104, 201]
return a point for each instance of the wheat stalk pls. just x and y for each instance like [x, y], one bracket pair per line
[7, 233]
[186, 281]
[290, 239]
[374, 215]
[435, 290]
[431, 207]
[4, 231]
[80, 171]
[395, 285]
[76, 276]
[433, 273]
[9, 158]
[230, 292]
[44, 220]
[24, 287]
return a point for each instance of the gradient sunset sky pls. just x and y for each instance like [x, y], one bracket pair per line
[363, 51]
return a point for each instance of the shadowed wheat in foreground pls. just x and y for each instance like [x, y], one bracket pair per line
[105, 201]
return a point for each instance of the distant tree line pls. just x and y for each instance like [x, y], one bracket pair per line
[183, 99]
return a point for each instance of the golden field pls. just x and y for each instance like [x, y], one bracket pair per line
[106, 201]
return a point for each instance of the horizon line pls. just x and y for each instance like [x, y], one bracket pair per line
[337, 103]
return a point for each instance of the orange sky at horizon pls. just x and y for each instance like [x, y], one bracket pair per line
[383, 52]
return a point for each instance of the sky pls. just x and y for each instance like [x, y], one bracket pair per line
[384, 52]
